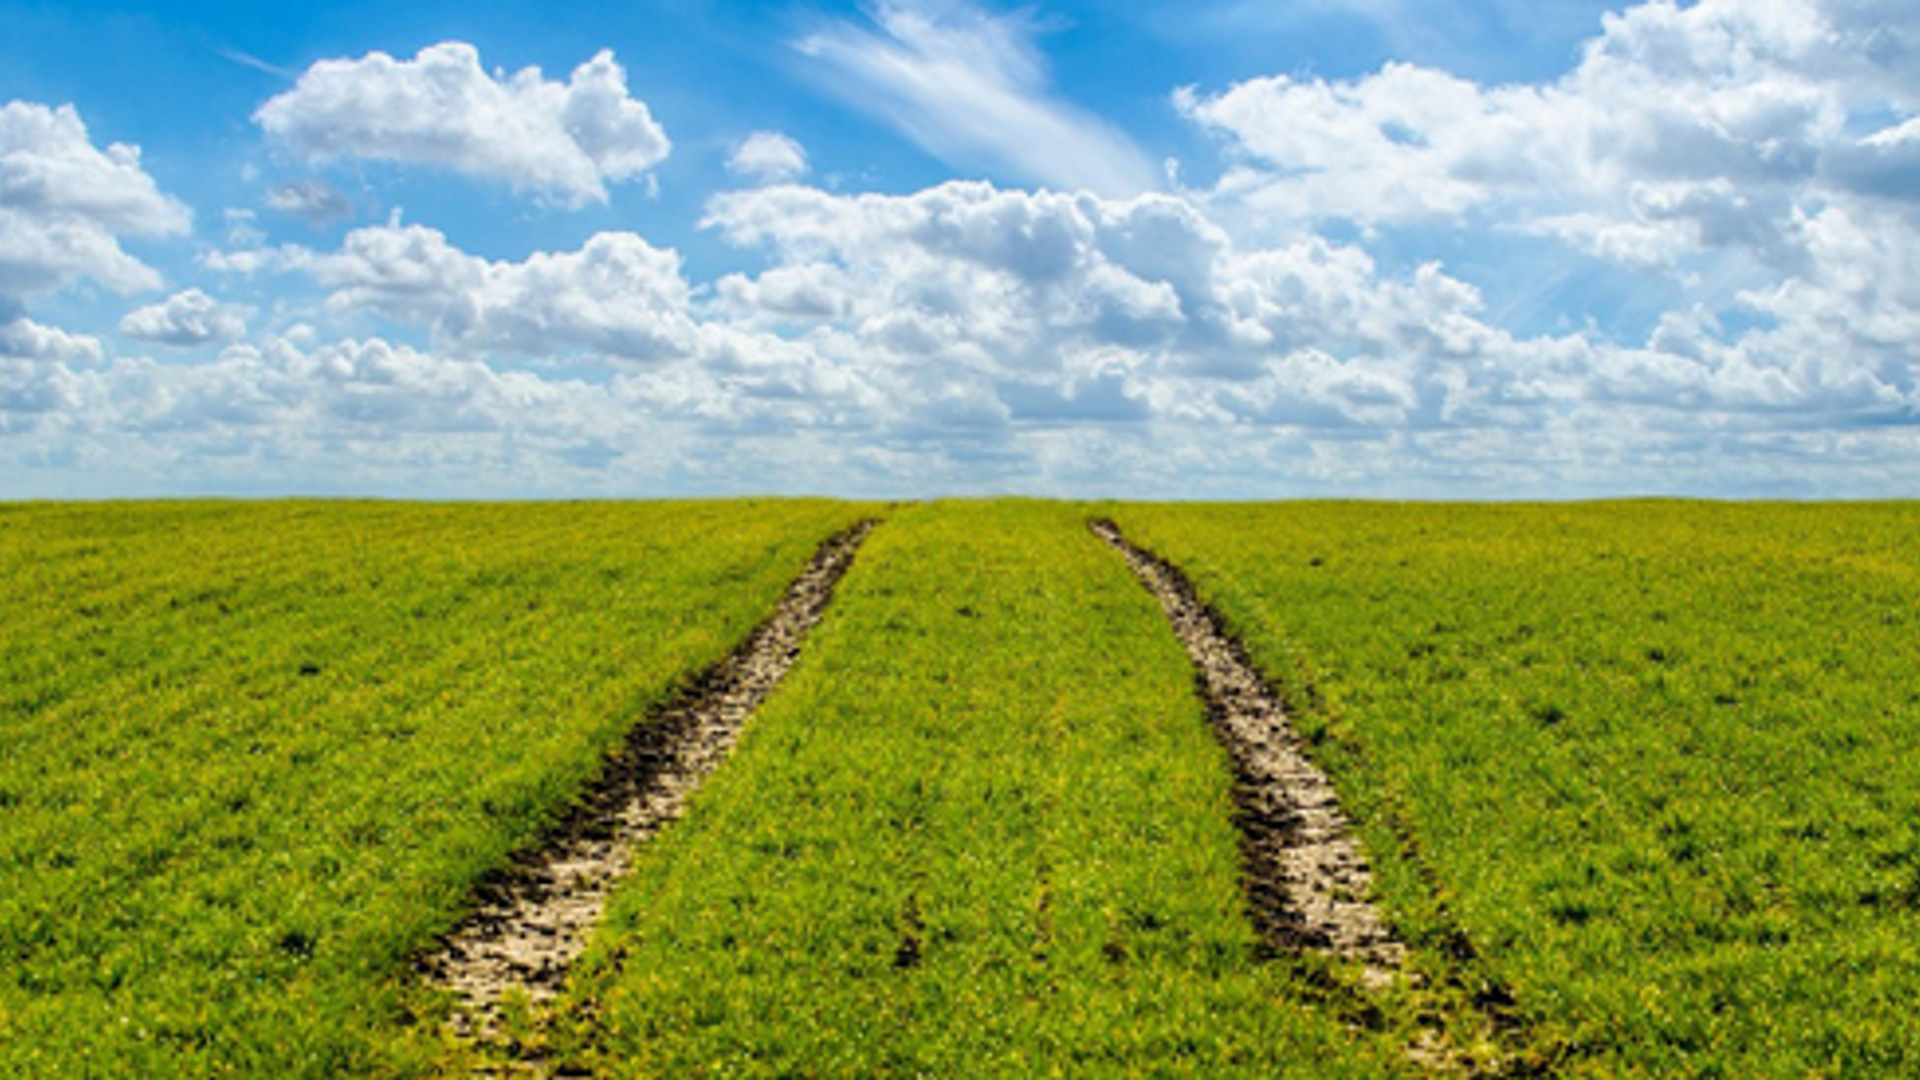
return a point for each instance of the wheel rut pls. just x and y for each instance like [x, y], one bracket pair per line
[533, 919]
[1308, 884]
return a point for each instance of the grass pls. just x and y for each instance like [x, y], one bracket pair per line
[981, 830]
[1652, 767]
[253, 756]
[1659, 761]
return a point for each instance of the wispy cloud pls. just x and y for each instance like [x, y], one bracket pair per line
[971, 89]
[248, 60]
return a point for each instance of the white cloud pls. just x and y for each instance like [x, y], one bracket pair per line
[318, 203]
[242, 228]
[970, 88]
[65, 204]
[964, 274]
[186, 319]
[1386, 148]
[1747, 163]
[769, 157]
[23, 339]
[618, 296]
[1851, 323]
[1742, 150]
[353, 389]
[1682, 129]
[810, 292]
[1885, 164]
[564, 141]
[1014, 286]
[1898, 136]
[1036, 306]
[368, 415]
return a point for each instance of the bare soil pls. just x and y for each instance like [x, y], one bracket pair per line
[532, 920]
[1308, 885]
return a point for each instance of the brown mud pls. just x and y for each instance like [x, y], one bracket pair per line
[533, 919]
[1308, 885]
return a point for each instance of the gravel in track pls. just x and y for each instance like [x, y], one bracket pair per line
[1308, 885]
[534, 919]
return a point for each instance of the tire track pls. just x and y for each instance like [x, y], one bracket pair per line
[1308, 885]
[533, 920]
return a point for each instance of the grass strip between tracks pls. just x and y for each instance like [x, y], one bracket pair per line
[982, 829]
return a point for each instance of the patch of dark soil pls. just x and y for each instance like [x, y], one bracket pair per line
[907, 955]
[532, 919]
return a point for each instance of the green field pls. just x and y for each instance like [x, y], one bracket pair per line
[1649, 767]
[252, 756]
[1660, 760]
[982, 830]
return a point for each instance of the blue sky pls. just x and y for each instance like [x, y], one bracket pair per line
[1226, 248]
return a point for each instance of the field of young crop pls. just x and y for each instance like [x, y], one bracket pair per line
[982, 830]
[1652, 769]
[254, 756]
[1659, 761]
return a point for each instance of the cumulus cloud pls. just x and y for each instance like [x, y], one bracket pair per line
[186, 319]
[1748, 162]
[617, 296]
[971, 89]
[367, 414]
[1743, 149]
[964, 273]
[979, 338]
[1682, 129]
[1385, 148]
[23, 339]
[565, 141]
[1045, 307]
[352, 389]
[374, 384]
[1013, 281]
[965, 311]
[65, 204]
[769, 157]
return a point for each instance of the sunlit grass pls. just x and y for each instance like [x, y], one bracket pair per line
[982, 830]
[254, 755]
[1657, 760]
[1660, 758]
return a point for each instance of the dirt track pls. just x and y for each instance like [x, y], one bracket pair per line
[533, 920]
[1307, 883]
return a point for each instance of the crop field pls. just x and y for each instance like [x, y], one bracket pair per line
[981, 831]
[1639, 785]
[1660, 762]
[253, 756]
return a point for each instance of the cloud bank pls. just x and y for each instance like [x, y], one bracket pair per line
[1752, 165]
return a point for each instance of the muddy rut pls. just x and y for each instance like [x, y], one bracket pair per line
[1307, 883]
[533, 919]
